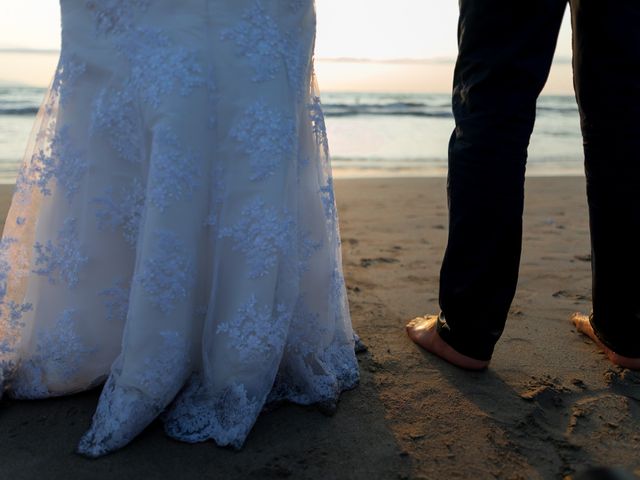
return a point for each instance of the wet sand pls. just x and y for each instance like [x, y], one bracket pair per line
[549, 406]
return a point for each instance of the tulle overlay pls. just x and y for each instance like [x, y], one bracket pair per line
[173, 229]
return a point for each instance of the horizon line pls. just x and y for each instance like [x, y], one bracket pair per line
[440, 60]
[28, 51]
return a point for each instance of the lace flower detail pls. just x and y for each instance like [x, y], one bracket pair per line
[172, 357]
[67, 74]
[318, 125]
[296, 57]
[5, 263]
[256, 331]
[262, 235]
[60, 160]
[122, 413]
[306, 328]
[13, 262]
[59, 353]
[158, 67]
[122, 211]
[225, 416]
[174, 173]
[328, 198]
[168, 275]
[258, 39]
[115, 16]
[116, 300]
[218, 195]
[61, 348]
[11, 312]
[115, 116]
[337, 288]
[307, 247]
[266, 136]
[64, 258]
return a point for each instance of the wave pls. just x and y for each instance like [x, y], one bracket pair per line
[421, 109]
[388, 113]
[345, 110]
[23, 101]
[376, 105]
[569, 110]
[409, 109]
[19, 111]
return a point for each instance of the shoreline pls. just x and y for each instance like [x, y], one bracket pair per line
[342, 178]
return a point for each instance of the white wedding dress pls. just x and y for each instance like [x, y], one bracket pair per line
[173, 230]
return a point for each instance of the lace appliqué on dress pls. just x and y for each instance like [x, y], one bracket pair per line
[116, 300]
[226, 416]
[12, 264]
[256, 331]
[263, 235]
[123, 211]
[64, 258]
[268, 50]
[124, 411]
[60, 160]
[218, 195]
[11, 314]
[258, 39]
[158, 67]
[115, 16]
[67, 74]
[174, 174]
[59, 355]
[318, 125]
[116, 116]
[167, 276]
[267, 136]
[164, 373]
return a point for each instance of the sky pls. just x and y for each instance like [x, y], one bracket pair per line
[381, 35]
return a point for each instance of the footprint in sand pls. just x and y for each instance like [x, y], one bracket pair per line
[578, 297]
[368, 262]
[545, 395]
[624, 382]
[416, 280]
[599, 422]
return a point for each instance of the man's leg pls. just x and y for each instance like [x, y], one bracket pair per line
[505, 52]
[606, 57]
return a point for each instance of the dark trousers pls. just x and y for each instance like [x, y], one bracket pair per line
[505, 52]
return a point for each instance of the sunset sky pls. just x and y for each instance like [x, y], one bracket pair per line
[422, 31]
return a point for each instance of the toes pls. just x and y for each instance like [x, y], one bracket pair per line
[421, 323]
[415, 323]
[580, 321]
[412, 324]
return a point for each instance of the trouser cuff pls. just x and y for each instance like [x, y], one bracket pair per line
[462, 343]
[624, 348]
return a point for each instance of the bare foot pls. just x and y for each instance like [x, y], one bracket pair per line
[583, 325]
[422, 331]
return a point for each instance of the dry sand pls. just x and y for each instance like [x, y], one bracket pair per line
[550, 404]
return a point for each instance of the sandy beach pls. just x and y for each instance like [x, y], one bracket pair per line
[549, 406]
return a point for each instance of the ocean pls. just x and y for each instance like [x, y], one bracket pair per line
[370, 134]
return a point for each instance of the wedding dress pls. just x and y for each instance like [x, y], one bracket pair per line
[173, 229]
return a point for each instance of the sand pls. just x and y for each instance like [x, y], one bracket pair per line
[549, 406]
